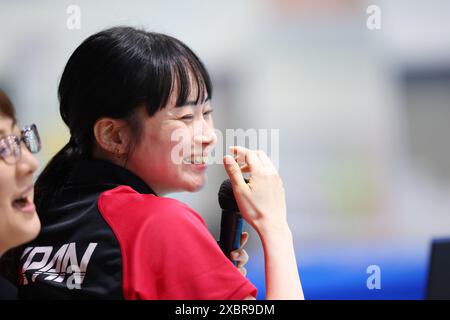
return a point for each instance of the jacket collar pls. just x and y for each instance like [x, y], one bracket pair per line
[100, 172]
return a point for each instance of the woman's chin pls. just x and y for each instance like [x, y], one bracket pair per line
[197, 185]
[24, 231]
[32, 230]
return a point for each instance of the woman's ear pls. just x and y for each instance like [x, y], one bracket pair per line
[111, 135]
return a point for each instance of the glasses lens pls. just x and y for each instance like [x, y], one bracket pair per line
[10, 149]
[5, 150]
[30, 136]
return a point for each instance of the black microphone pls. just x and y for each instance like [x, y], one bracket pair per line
[231, 223]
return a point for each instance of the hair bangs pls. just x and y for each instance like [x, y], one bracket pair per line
[181, 73]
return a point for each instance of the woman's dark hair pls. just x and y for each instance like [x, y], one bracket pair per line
[6, 107]
[111, 74]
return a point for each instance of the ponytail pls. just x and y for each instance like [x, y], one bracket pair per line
[56, 174]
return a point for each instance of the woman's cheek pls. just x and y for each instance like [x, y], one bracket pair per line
[179, 147]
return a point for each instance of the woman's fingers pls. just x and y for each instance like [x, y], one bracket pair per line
[265, 160]
[234, 172]
[250, 158]
[243, 271]
[240, 159]
[244, 239]
[241, 257]
[262, 200]
[253, 161]
[236, 254]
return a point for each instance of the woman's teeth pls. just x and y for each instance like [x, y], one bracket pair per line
[195, 160]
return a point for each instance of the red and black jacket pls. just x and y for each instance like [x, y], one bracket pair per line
[107, 235]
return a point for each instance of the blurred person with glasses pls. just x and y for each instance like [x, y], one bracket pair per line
[19, 222]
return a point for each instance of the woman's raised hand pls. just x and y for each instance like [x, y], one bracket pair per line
[261, 200]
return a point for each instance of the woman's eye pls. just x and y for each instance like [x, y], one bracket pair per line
[4, 151]
[191, 116]
[207, 113]
[187, 117]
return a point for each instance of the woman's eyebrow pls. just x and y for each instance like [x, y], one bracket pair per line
[194, 103]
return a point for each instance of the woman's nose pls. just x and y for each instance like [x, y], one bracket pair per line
[205, 136]
[27, 164]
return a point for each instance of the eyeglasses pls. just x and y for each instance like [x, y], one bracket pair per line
[10, 148]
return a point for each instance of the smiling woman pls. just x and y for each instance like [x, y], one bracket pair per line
[19, 222]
